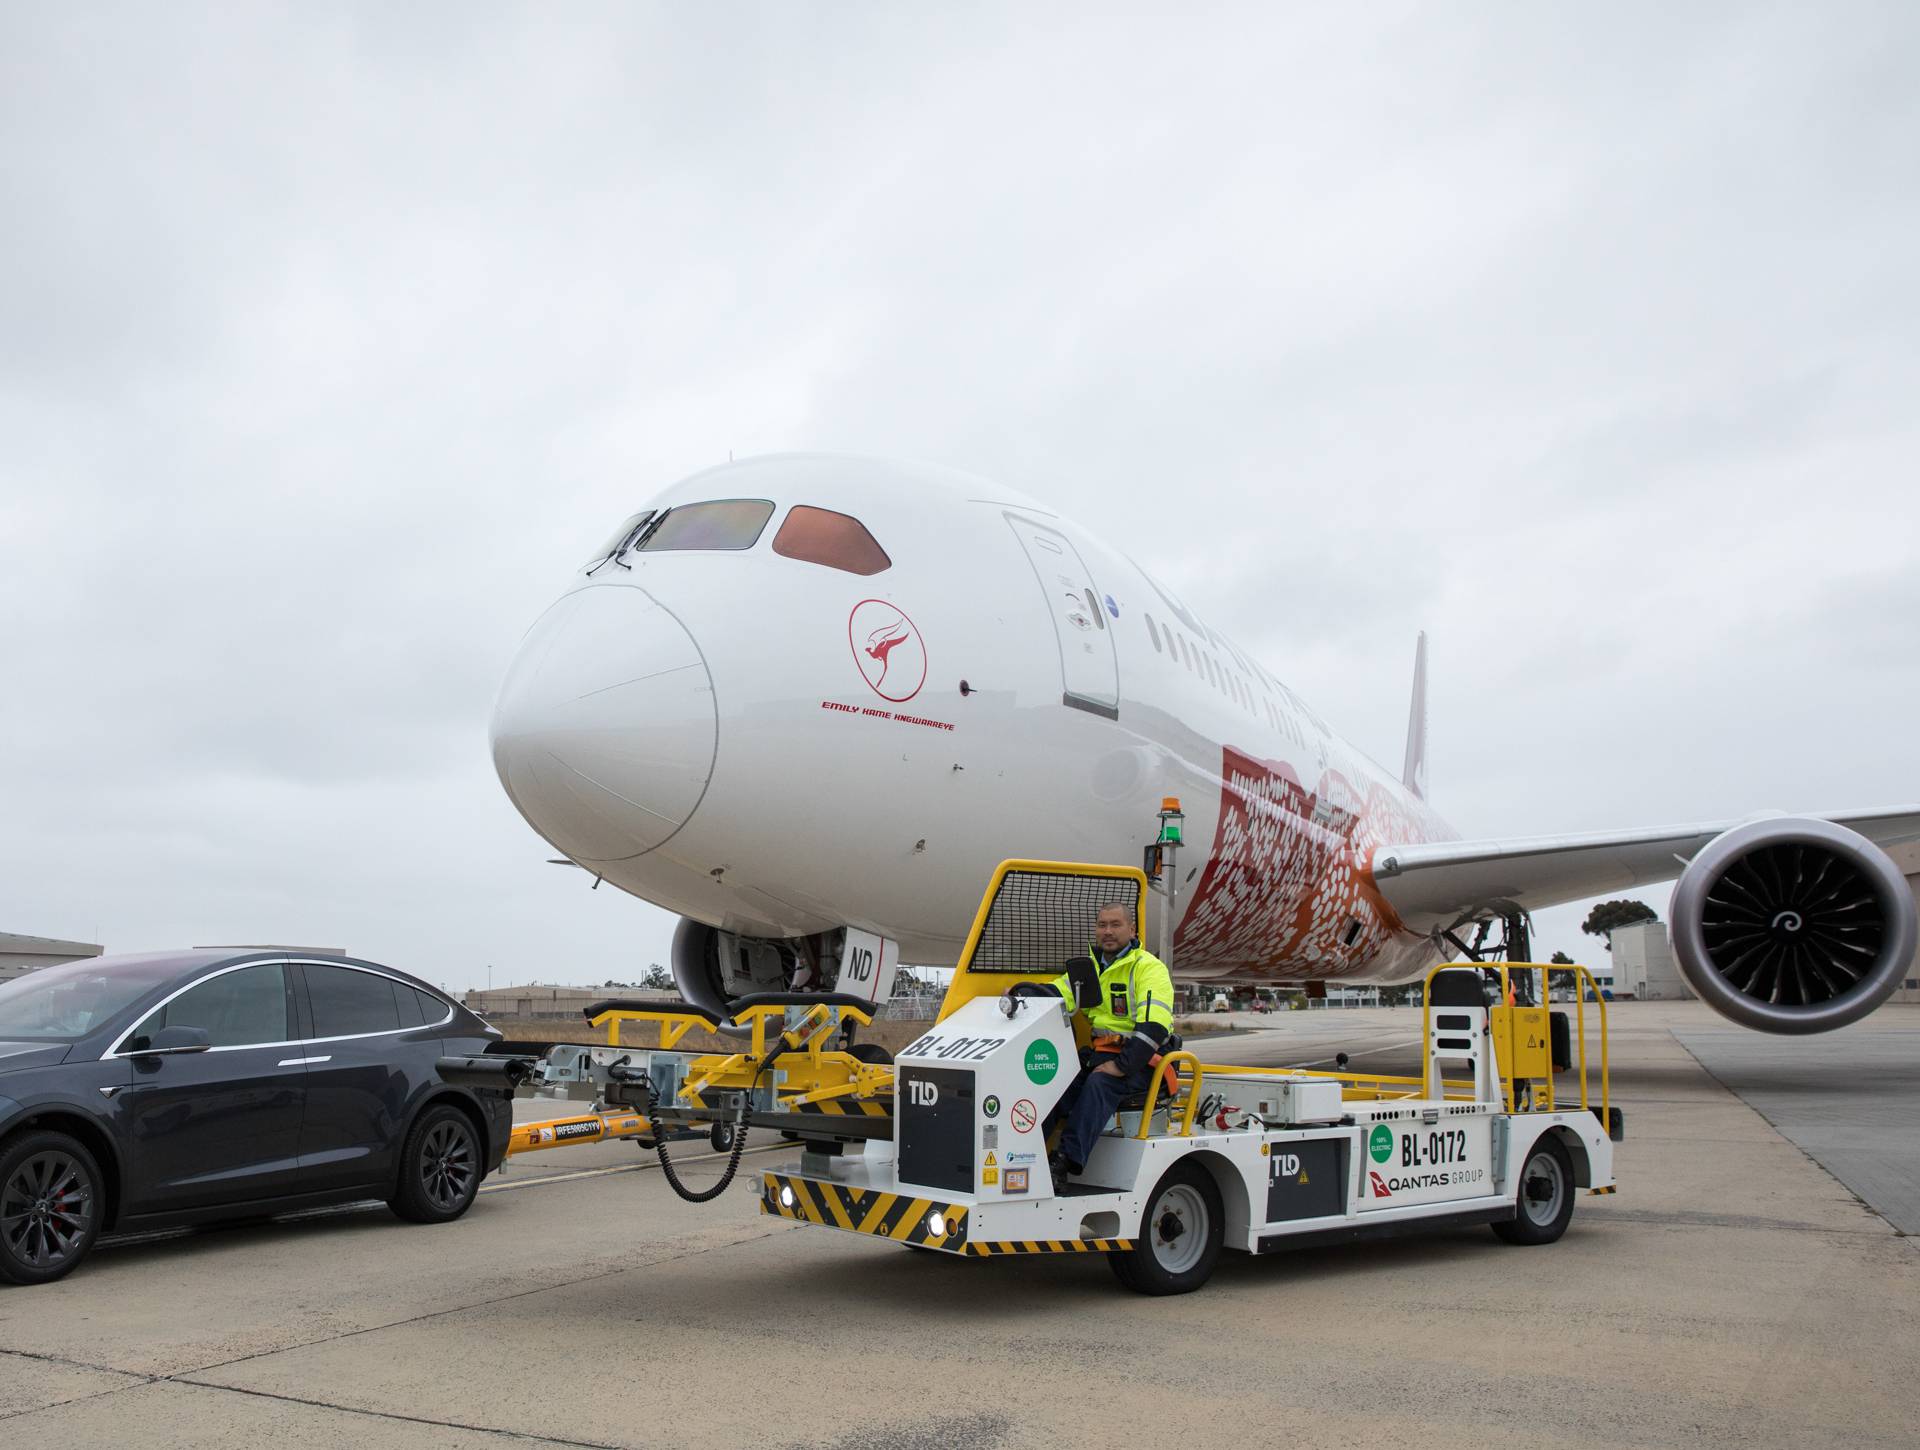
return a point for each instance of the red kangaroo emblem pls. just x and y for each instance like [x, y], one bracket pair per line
[881, 642]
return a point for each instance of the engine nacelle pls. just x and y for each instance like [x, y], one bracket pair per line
[711, 967]
[1792, 925]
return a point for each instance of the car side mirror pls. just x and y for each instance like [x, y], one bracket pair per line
[174, 1040]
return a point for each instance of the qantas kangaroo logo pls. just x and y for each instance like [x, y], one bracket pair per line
[881, 643]
[888, 649]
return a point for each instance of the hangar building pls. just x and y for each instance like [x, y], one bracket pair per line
[1907, 858]
[538, 999]
[1643, 966]
[21, 954]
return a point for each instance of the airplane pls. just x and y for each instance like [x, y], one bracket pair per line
[809, 702]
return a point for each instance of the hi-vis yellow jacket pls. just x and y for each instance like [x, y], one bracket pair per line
[1135, 992]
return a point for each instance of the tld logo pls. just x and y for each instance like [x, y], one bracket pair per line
[922, 1094]
[1287, 1164]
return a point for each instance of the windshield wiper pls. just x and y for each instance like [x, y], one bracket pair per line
[648, 523]
[647, 531]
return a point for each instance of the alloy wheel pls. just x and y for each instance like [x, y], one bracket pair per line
[446, 1164]
[46, 1209]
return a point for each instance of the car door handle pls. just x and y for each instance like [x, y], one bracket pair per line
[303, 1061]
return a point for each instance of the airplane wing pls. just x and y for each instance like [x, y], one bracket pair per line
[1451, 882]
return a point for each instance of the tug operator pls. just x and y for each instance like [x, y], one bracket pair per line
[1129, 1020]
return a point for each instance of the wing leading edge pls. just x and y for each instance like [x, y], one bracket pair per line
[1432, 887]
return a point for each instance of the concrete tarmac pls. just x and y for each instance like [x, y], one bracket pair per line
[1732, 1293]
[1811, 1090]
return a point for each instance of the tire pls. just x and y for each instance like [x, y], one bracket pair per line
[870, 1052]
[51, 1204]
[440, 1167]
[1180, 1235]
[1545, 1195]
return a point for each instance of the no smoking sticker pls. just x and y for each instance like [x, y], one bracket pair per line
[1022, 1116]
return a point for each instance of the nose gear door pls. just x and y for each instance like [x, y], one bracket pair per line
[1089, 668]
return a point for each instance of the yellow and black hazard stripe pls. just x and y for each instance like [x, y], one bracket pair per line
[897, 1216]
[1048, 1246]
[847, 1107]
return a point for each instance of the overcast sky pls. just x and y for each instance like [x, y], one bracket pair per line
[332, 337]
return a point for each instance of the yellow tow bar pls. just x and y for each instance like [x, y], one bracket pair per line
[586, 1128]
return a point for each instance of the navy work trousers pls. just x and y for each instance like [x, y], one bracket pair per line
[1088, 1104]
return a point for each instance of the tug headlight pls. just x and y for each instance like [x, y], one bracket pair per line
[786, 1196]
[937, 1224]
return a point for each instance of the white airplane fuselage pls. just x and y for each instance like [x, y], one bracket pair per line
[778, 747]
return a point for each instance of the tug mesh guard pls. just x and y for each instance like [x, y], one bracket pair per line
[1040, 918]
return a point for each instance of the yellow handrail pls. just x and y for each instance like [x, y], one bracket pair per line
[1583, 984]
[1173, 1060]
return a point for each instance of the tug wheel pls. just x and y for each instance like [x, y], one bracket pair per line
[1180, 1235]
[1545, 1198]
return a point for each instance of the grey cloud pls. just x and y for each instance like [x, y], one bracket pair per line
[333, 337]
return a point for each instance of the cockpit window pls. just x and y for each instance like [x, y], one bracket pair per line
[820, 536]
[726, 523]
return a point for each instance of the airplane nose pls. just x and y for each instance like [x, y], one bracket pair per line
[605, 731]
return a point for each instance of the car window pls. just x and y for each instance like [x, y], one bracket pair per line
[347, 1003]
[727, 523]
[821, 536]
[408, 1001]
[433, 1011]
[235, 1009]
[63, 1003]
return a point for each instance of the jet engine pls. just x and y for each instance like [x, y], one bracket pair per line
[1792, 925]
[711, 967]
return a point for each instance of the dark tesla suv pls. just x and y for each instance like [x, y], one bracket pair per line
[186, 1087]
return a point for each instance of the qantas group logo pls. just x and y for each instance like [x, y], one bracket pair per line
[1379, 1185]
[888, 649]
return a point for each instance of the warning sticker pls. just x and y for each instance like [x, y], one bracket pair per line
[1022, 1116]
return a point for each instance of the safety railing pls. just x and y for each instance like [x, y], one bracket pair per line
[1191, 1075]
[1517, 1089]
[1184, 1098]
[811, 1071]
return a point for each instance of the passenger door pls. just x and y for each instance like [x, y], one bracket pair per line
[1089, 668]
[363, 1068]
[220, 1126]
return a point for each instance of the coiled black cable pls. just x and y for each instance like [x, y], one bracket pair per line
[704, 1195]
